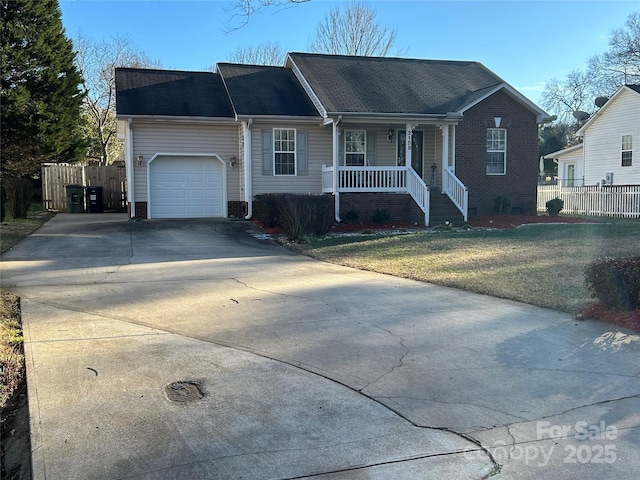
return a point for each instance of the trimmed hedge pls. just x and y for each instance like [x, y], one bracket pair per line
[298, 215]
[615, 282]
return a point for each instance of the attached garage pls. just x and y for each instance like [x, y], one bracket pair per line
[187, 186]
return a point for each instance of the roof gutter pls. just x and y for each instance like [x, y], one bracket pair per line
[183, 119]
[404, 117]
[285, 118]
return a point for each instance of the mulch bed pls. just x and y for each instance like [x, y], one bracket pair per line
[599, 311]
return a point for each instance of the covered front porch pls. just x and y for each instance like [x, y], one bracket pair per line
[372, 157]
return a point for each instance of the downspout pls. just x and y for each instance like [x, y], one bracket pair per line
[128, 161]
[336, 164]
[248, 191]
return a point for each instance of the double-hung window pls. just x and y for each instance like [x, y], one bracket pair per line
[496, 151]
[284, 151]
[627, 150]
[354, 147]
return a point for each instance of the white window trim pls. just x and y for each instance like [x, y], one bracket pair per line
[295, 149]
[364, 153]
[487, 151]
[629, 150]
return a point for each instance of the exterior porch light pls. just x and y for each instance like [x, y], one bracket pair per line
[232, 162]
[390, 134]
[138, 161]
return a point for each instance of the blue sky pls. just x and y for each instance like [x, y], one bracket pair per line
[526, 43]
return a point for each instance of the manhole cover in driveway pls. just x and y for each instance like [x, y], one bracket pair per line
[183, 392]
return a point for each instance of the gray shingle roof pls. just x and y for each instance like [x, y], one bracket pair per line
[171, 93]
[347, 84]
[265, 90]
[635, 88]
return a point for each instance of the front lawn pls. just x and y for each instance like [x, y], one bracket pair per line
[540, 264]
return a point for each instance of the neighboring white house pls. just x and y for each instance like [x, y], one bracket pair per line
[610, 149]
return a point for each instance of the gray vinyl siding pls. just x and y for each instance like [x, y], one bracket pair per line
[319, 151]
[150, 138]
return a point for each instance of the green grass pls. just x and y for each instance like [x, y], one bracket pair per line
[536, 264]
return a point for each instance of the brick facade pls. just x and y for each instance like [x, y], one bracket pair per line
[141, 210]
[401, 207]
[520, 182]
[236, 209]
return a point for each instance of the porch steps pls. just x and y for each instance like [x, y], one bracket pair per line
[442, 210]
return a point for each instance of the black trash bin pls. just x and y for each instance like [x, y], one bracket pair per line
[75, 198]
[95, 203]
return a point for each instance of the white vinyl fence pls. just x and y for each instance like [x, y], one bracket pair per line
[56, 177]
[596, 200]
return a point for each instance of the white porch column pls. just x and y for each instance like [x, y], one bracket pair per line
[336, 166]
[248, 189]
[445, 147]
[128, 162]
[407, 148]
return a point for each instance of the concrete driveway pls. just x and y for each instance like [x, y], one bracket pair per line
[192, 349]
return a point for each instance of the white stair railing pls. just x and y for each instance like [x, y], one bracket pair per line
[419, 192]
[456, 191]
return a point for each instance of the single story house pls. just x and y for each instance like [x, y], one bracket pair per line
[609, 152]
[410, 136]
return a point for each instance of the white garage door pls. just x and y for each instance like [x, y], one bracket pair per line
[186, 187]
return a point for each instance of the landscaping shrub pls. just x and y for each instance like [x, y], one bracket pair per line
[2, 207]
[502, 205]
[19, 192]
[381, 216]
[615, 282]
[266, 208]
[298, 215]
[554, 207]
[530, 207]
[351, 216]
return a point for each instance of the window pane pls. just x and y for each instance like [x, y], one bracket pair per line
[496, 150]
[355, 159]
[284, 147]
[495, 162]
[354, 141]
[285, 164]
[627, 142]
[627, 159]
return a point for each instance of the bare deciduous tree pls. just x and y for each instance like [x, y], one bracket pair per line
[268, 53]
[97, 62]
[572, 94]
[604, 75]
[353, 30]
[244, 9]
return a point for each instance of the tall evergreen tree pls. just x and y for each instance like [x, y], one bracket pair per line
[41, 94]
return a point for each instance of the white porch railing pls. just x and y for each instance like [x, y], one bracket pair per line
[379, 179]
[366, 179]
[597, 200]
[456, 191]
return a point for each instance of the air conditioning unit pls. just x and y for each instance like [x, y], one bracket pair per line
[608, 178]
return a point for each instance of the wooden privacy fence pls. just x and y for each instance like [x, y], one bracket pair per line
[598, 200]
[56, 176]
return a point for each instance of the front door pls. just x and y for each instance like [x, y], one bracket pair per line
[417, 145]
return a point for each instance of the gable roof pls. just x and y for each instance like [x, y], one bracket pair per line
[265, 90]
[142, 91]
[564, 151]
[387, 85]
[616, 94]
